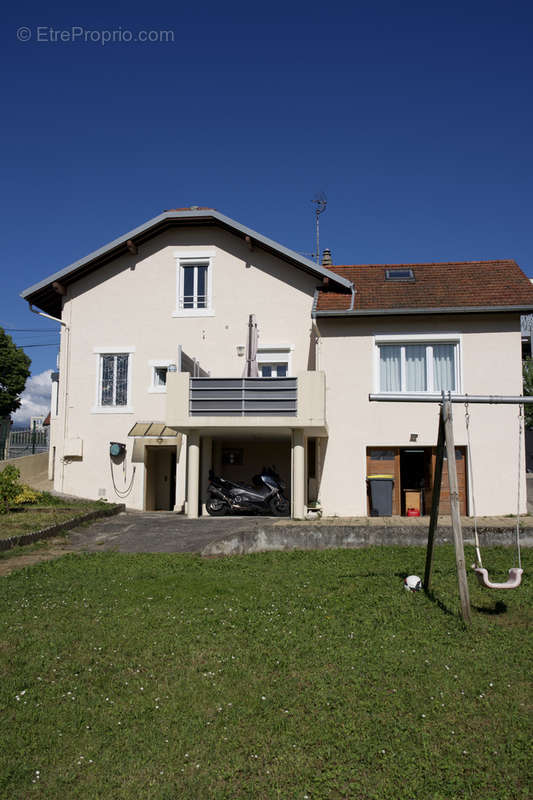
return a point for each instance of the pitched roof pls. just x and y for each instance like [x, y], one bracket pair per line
[439, 287]
[45, 295]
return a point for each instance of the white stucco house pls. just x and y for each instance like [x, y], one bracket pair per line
[153, 331]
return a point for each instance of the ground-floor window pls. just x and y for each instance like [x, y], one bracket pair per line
[114, 379]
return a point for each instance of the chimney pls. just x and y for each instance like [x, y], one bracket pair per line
[326, 258]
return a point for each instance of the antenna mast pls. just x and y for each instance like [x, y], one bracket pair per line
[320, 201]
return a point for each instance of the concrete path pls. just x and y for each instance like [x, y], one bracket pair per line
[159, 532]
[167, 532]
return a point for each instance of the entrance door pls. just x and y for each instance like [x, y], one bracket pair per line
[160, 463]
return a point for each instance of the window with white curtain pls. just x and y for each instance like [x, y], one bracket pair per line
[418, 366]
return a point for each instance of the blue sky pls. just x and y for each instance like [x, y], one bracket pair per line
[415, 119]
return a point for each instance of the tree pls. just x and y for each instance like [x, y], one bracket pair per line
[14, 371]
[527, 372]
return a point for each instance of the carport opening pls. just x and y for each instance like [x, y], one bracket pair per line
[240, 459]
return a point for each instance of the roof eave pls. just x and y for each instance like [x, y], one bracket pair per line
[197, 216]
[378, 312]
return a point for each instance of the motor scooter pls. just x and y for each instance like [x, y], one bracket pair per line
[231, 497]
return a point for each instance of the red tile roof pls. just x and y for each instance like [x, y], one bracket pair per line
[456, 284]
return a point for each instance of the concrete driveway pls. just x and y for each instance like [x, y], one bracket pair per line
[159, 532]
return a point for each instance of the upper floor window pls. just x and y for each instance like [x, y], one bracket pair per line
[195, 280]
[273, 370]
[416, 365]
[275, 361]
[114, 379]
[193, 292]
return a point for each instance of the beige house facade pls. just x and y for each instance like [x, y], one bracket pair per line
[150, 395]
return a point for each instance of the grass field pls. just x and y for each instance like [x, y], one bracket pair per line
[283, 675]
[28, 519]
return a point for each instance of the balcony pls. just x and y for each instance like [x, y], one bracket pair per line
[213, 404]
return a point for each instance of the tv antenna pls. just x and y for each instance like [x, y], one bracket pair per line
[320, 202]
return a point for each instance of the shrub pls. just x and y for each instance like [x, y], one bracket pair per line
[10, 487]
[27, 496]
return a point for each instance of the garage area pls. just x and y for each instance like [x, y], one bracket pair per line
[239, 458]
[412, 470]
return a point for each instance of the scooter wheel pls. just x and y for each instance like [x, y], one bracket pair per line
[279, 506]
[216, 507]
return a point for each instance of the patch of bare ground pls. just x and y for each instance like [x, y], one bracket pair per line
[19, 557]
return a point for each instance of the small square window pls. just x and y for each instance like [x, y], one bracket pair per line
[160, 376]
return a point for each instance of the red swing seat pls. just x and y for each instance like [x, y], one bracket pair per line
[513, 582]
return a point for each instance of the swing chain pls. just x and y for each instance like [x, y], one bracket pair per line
[479, 561]
[520, 436]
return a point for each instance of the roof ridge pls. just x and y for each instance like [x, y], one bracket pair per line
[429, 263]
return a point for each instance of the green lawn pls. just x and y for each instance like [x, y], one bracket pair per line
[28, 519]
[284, 675]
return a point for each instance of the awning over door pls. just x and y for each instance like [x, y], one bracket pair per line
[153, 434]
[151, 429]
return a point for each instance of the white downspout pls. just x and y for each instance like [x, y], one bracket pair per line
[65, 395]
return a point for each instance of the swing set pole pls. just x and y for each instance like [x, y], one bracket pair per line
[435, 500]
[464, 595]
[446, 441]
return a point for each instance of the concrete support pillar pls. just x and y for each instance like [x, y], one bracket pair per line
[205, 465]
[298, 474]
[193, 473]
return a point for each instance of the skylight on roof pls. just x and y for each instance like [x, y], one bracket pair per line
[399, 274]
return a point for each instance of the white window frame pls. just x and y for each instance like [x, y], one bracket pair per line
[276, 354]
[154, 364]
[429, 340]
[191, 257]
[100, 351]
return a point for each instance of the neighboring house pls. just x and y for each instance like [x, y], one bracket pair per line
[527, 335]
[37, 423]
[152, 356]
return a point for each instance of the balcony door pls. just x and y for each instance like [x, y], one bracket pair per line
[273, 370]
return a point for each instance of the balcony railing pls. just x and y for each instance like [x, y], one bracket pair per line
[243, 397]
[214, 404]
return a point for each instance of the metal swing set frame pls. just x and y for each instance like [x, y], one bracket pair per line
[445, 443]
